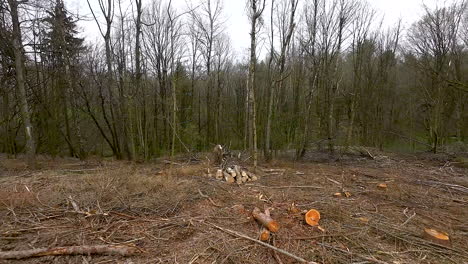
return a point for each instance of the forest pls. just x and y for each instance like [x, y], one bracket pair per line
[319, 74]
[336, 137]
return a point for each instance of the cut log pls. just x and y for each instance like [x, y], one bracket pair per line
[312, 217]
[437, 237]
[237, 170]
[244, 179]
[382, 186]
[238, 179]
[74, 250]
[219, 174]
[232, 172]
[253, 177]
[228, 177]
[264, 234]
[265, 219]
[244, 174]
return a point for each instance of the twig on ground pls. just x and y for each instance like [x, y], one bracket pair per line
[275, 253]
[409, 218]
[234, 233]
[209, 198]
[285, 187]
[355, 254]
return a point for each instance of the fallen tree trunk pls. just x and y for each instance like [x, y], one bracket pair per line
[73, 250]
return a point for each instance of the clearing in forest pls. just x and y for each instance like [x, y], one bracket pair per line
[371, 211]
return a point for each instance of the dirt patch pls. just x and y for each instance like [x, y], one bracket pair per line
[167, 210]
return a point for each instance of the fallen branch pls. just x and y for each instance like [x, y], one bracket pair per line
[455, 187]
[353, 254]
[275, 253]
[234, 233]
[286, 187]
[73, 250]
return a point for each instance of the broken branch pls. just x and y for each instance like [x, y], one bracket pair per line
[73, 250]
[234, 233]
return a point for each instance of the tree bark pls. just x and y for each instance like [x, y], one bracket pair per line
[21, 84]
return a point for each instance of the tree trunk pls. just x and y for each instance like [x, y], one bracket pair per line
[20, 79]
[251, 80]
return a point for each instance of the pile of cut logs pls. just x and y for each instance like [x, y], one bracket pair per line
[235, 174]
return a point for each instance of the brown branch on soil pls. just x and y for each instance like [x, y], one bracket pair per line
[355, 254]
[286, 187]
[275, 253]
[73, 250]
[452, 186]
[234, 233]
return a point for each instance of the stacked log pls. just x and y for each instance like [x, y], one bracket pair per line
[235, 174]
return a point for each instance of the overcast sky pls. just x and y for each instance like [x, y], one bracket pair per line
[237, 24]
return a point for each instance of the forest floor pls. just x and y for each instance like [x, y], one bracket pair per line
[171, 212]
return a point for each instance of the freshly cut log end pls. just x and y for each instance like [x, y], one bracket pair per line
[229, 179]
[219, 174]
[364, 220]
[312, 217]
[438, 237]
[266, 220]
[265, 235]
[382, 186]
[273, 226]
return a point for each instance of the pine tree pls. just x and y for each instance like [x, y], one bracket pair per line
[61, 49]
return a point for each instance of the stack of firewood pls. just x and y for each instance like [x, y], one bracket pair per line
[235, 174]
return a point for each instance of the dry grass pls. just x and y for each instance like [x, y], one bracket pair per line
[165, 209]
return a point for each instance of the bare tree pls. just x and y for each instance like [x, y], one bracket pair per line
[21, 83]
[361, 45]
[112, 115]
[434, 40]
[209, 23]
[285, 25]
[255, 11]
[309, 44]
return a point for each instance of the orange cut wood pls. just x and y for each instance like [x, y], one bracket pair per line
[265, 235]
[437, 236]
[265, 219]
[382, 185]
[337, 194]
[312, 217]
[364, 219]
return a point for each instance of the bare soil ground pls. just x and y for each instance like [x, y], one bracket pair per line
[168, 211]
